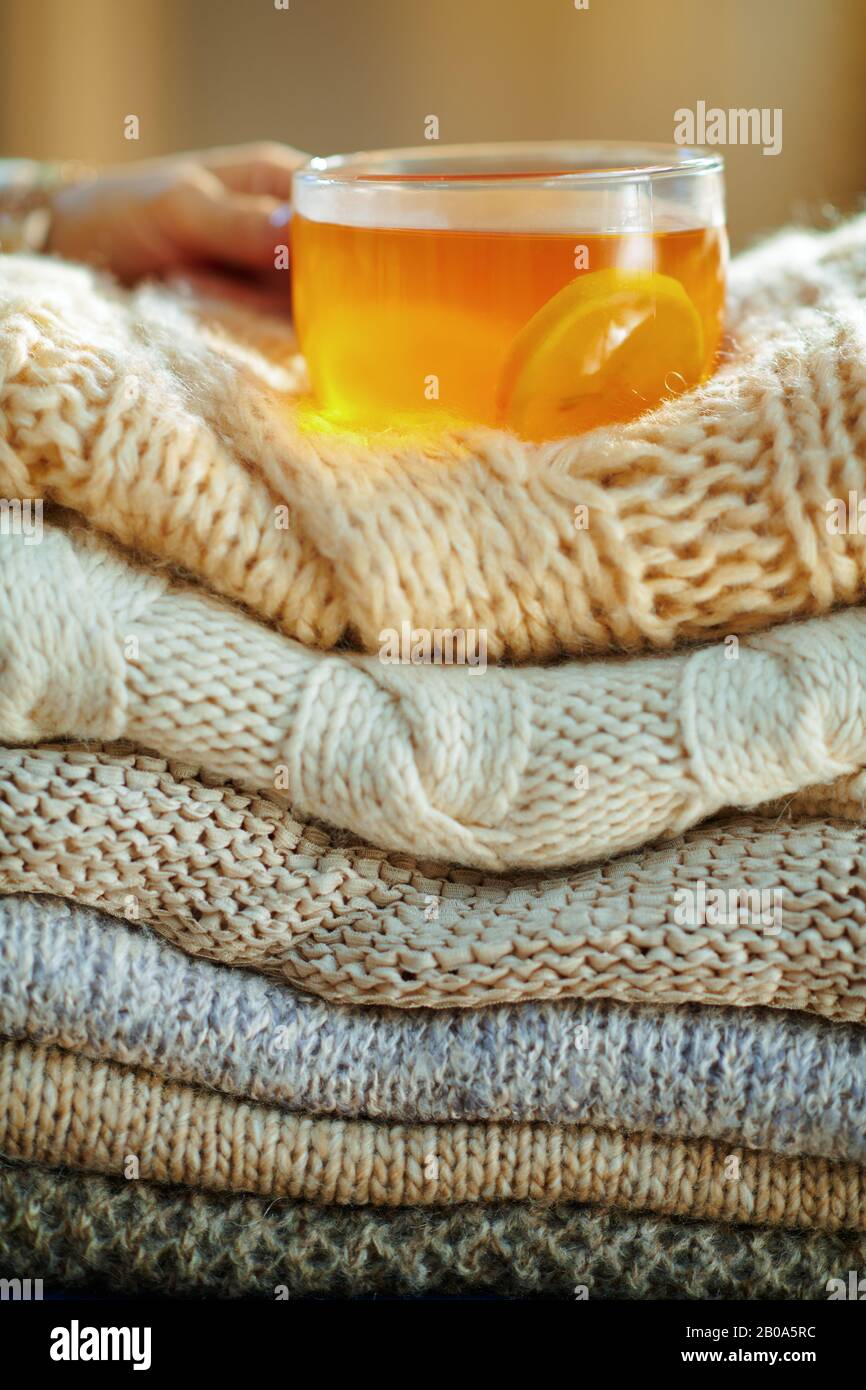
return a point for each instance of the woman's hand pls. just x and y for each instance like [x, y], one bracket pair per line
[226, 209]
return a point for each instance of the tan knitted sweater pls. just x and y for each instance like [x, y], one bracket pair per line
[235, 879]
[62, 1109]
[703, 518]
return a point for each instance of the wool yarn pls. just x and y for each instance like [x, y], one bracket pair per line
[705, 517]
[535, 767]
[75, 1229]
[764, 1079]
[59, 1107]
[234, 879]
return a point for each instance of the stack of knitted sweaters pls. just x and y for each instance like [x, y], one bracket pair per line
[324, 973]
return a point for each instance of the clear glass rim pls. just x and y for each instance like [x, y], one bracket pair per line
[628, 163]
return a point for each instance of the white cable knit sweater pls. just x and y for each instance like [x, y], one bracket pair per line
[529, 767]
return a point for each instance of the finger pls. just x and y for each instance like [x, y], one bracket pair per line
[258, 169]
[208, 286]
[237, 228]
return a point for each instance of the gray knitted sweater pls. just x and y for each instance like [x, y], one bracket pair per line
[763, 1078]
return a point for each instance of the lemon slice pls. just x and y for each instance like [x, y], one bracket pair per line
[607, 347]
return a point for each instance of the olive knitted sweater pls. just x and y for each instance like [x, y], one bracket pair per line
[76, 1231]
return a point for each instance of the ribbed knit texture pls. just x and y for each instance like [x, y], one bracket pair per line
[61, 1108]
[761, 1078]
[705, 517]
[77, 1230]
[497, 769]
[235, 879]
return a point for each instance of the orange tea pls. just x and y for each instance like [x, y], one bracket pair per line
[502, 316]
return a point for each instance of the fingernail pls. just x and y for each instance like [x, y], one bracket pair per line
[281, 215]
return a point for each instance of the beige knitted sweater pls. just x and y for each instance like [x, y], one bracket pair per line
[63, 1109]
[703, 518]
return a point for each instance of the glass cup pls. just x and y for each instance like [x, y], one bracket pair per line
[542, 288]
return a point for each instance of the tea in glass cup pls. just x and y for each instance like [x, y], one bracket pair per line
[545, 289]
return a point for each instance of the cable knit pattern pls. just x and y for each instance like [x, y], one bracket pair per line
[509, 768]
[234, 879]
[705, 517]
[764, 1079]
[76, 1230]
[60, 1108]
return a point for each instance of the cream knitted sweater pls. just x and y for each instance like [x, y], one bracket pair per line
[507, 768]
[704, 518]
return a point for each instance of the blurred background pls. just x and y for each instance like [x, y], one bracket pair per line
[333, 75]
